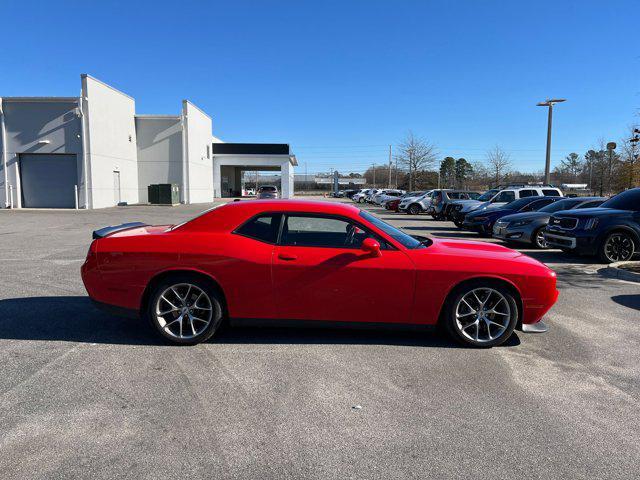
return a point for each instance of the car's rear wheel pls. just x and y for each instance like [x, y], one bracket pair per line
[482, 314]
[538, 238]
[361, 200]
[458, 223]
[617, 247]
[414, 209]
[185, 310]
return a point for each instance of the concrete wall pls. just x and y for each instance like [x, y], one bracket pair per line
[257, 162]
[159, 152]
[197, 148]
[39, 125]
[110, 142]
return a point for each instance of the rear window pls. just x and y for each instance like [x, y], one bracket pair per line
[263, 228]
[267, 189]
[629, 200]
[528, 193]
[551, 193]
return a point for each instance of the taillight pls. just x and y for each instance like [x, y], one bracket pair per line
[92, 250]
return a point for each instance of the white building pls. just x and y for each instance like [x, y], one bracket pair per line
[93, 151]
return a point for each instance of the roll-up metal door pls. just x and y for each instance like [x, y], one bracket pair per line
[48, 180]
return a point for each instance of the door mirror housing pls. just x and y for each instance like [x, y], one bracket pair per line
[371, 246]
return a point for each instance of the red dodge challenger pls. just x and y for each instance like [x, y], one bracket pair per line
[286, 262]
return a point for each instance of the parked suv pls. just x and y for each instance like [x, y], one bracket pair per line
[496, 198]
[267, 192]
[360, 196]
[442, 202]
[416, 205]
[611, 231]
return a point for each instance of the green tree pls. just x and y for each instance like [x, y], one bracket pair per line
[463, 171]
[448, 172]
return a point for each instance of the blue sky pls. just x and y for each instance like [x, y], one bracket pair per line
[340, 81]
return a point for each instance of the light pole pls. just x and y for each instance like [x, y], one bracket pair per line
[547, 166]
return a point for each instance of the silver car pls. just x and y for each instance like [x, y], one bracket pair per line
[528, 227]
[267, 192]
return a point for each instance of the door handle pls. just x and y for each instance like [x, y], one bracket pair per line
[287, 256]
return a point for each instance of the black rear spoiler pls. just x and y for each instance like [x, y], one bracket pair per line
[104, 231]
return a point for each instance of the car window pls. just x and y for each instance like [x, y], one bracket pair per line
[263, 228]
[551, 193]
[488, 195]
[505, 197]
[318, 231]
[591, 204]
[398, 235]
[528, 193]
[537, 205]
[560, 205]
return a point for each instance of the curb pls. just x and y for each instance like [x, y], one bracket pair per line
[614, 271]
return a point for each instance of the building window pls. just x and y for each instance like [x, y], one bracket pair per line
[208, 151]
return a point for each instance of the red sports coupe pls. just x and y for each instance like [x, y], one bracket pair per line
[284, 261]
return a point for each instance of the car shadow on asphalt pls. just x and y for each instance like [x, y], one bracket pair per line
[629, 301]
[76, 319]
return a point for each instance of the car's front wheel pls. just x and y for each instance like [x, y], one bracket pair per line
[617, 247]
[538, 238]
[414, 209]
[185, 310]
[482, 314]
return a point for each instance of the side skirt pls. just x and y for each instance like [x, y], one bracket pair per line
[278, 323]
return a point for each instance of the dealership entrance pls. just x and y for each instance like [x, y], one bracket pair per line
[230, 160]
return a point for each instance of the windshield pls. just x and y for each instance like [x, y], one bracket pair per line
[488, 195]
[398, 235]
[561, 205]
[629, 200]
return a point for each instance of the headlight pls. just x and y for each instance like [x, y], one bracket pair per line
[591, 224]
[520, 223]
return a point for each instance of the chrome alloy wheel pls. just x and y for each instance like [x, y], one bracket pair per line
[619, 247]
[483, 315]
[183, 311]
[541, 242]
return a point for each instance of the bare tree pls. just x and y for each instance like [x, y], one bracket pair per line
[499, 163]
[416, 155]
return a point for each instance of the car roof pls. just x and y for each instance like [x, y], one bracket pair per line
[228, 216]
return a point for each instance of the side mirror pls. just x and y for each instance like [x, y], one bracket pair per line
[371, 246]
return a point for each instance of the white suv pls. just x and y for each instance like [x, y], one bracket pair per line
[497, 198]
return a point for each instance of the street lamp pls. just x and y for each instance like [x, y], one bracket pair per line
[547, 166]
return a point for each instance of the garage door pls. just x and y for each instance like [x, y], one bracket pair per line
[48, 181]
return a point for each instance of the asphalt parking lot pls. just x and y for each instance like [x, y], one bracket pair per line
[92, 396]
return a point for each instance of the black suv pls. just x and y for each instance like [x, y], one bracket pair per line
[611, 231]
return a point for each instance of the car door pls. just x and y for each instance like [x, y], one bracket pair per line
[321, 273]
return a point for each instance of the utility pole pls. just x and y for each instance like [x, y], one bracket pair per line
[547, 166]
[396, 173]
[611, 146]
[374, 174]
[389, 185]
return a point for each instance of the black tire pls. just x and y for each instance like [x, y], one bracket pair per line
[617, 247]
[538, 241]
[361, 200]
[414, 209]
[457, 223]
[169, 326]
[503, 302]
